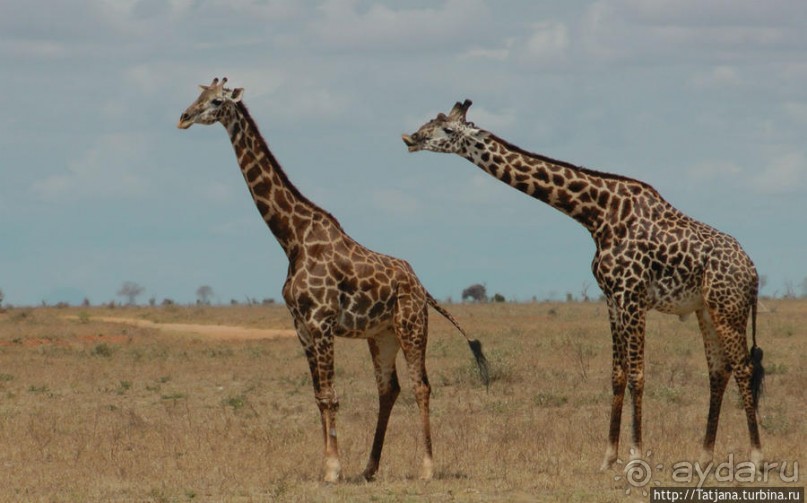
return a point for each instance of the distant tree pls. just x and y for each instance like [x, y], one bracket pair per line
[2, 296]
[584, 291]
[130, 290]
[85, 302]
[234, 302]
[803, 289]
[203, 294]
[268, 301]
[477, 293]
[168, 302]
[790, 290]
[499, 298]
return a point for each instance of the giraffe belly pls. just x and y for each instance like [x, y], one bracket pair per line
[355, 326]
[680, 302]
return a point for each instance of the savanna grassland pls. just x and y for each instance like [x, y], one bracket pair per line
[92, 410]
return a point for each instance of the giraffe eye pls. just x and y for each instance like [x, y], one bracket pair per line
[216, 102]
[448, 130]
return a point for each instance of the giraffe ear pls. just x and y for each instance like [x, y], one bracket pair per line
[237, 94]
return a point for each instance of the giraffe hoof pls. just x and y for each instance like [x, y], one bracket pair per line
[427, 471]
[368, 475]
[756, 457]
[610, 459]
[705, 458]
[332, 469]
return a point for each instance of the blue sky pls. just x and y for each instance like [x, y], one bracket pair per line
[706, 101]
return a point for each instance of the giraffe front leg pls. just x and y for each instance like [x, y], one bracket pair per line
[618, 383]
[328, 406]
[319, 353]
[636, 385]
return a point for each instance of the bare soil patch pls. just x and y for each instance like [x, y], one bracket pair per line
[221, 332]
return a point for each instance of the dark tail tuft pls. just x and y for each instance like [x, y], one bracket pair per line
[757, 370]
[757, 374]
[476, 346]
[481, 361]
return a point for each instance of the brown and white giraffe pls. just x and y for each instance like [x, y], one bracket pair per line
[649, 256]
[335, 286]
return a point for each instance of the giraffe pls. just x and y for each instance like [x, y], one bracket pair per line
[335, 286]
[649, 255]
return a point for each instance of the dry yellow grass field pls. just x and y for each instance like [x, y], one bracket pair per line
[92, 410]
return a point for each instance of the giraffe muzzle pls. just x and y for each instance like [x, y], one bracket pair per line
[410, 142]
[184, 122]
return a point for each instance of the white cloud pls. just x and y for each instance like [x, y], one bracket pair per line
[217, 193]
[483, 190]
[714, 170]
[343, 25]
[33, 49]
[786, 173]
[718, 77]
[104, 171]
[240, 227]
[396, 202]
[498, 54]
[549, 41]
[716, 32]
[796, 111]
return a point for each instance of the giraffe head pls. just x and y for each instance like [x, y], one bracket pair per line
[210, 105]
[444, 133]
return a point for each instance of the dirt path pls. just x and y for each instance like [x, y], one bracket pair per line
[211, 331]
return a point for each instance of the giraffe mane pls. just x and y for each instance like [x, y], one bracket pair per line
[581, 169]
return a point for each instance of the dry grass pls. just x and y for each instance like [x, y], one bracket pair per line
[106, 412]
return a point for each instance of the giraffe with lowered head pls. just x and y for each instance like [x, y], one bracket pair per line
[335, 286]
[649, 255]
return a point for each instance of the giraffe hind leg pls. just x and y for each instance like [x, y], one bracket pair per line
[383, 350]
[743, 366]
[719, 374]
[636, 386]
[411, 328]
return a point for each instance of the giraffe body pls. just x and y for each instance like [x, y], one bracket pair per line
[335, 287]
[649, 255]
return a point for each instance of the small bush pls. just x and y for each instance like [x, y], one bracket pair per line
[549, 399]
[102, 349]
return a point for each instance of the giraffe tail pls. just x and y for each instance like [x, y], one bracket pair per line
[757, 370]
[475, 345]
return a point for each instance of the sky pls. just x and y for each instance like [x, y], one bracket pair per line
[706, 101]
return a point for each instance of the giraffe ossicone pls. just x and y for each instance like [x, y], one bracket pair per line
[649, 255]
[335, 286]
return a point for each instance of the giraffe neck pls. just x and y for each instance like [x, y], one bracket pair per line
[590, 197]
[286, 211]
